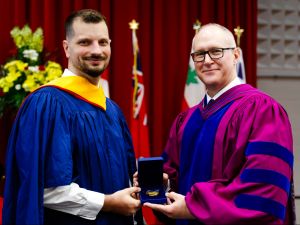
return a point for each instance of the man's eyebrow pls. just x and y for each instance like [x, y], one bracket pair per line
[83, 39]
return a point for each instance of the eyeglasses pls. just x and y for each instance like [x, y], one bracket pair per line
[215, 53]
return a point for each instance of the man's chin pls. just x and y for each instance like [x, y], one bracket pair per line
[94, 73]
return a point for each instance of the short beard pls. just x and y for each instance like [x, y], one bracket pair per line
[94, 73]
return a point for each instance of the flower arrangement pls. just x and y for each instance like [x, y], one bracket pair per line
[25, 72]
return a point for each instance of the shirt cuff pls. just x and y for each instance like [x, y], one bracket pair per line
[74, 200]
[95, 202]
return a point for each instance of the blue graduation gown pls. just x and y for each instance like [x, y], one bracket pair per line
[59, 138]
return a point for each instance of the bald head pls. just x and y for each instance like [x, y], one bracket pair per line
[216, 45]
[213, 30]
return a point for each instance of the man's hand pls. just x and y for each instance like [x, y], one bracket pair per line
[122, 202]
[176, 208]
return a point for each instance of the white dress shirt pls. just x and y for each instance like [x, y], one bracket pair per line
[235, 82]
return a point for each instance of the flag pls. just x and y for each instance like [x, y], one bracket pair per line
[240, 67]
[104, 82]
[139, 119]
[194, 89]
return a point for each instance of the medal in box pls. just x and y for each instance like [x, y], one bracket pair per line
[150, 176]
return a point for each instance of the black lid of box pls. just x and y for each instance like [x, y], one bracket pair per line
[150, 172]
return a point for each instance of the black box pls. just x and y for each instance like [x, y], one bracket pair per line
[150, 176]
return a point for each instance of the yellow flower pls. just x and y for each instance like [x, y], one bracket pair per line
[15, 65]
[39, 77]
[5, 85]
[53, 71]
[30, 84]
[12, 76]
[25, 38]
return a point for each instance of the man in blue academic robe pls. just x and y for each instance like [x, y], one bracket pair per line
[70, 157]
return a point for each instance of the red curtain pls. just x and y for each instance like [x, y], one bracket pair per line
[165, 36]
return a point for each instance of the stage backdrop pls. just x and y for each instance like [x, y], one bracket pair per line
[165, 34]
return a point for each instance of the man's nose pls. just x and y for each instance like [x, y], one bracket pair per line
[207, 58]
[96, 48]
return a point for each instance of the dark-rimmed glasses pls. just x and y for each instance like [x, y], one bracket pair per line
[215, 53]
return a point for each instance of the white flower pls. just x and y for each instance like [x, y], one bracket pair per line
[33, 68]
[31, 54]
[18, 87]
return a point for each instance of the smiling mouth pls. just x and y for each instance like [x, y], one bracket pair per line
[205, 71]
[94, 59]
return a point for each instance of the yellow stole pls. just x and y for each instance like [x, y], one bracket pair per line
[81, 88]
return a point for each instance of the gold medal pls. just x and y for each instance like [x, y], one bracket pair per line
[152, 193]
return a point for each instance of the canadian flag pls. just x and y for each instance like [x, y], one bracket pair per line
[194, 89]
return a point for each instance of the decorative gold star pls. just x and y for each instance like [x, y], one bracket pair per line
[133, 25]
[196, 26]
[238, 32]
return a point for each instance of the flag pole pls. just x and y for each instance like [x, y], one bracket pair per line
[139, 124]
[238, 32]
[133, 25]
[196, 27]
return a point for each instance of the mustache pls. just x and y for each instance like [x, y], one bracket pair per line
[95, 57]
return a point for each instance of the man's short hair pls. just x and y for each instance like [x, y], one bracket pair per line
[86, 15]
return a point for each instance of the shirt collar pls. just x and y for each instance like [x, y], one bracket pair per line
[232, 84]
[69, 73]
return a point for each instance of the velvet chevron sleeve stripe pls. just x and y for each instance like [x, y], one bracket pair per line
[270, 148]
[266, 176]
[261, 204]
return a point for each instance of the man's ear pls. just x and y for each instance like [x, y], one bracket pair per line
[66, 48]
[237, 54]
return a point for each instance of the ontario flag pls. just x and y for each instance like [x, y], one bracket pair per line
[104, 82]
[139, 119]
